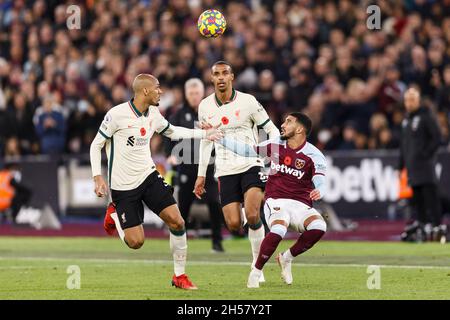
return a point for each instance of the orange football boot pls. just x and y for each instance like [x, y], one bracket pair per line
[108, 223]
[183, 282]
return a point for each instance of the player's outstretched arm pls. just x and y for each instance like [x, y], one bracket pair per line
[177, 133]
[238, 147]
[271, 130]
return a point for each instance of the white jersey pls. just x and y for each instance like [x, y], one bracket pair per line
[127, 134]
[240, 118]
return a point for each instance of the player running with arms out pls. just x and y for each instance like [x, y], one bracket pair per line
[126, 131]
[296, 179]
[240, 178]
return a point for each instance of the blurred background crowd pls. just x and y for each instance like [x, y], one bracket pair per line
[318, 57]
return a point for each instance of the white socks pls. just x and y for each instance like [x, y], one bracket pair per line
[256, 237]
[288, 256]
[178, 246]
[118, 227]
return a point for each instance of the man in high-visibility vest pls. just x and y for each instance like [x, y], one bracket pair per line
[13, 194]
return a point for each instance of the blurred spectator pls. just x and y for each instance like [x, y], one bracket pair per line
[444, 128]
[443, 94]
[391, 91]
[265, 85]
[50, 126]
[21, 117]
[12, 148]
[349, 135]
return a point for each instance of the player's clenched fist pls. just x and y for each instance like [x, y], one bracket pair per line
[100, 186]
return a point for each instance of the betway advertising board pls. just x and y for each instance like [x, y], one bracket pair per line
[363, 184]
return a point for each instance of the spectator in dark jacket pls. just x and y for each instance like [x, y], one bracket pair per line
[420, 141]
[50, 126]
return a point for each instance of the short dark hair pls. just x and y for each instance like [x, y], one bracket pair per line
[304, 120]
[222, 62]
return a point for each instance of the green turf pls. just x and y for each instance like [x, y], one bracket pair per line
[36, 268]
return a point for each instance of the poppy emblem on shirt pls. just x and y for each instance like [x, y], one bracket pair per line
[299, 163]
[225, 120]
[287, 161]
[143, 132]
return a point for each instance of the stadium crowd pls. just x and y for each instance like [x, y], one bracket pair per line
[318, 57]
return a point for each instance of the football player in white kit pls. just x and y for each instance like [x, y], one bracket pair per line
[240, 178]
[126, 131]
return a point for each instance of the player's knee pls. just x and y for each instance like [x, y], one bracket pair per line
[176, 224]
[317, 224]
[279, 229]
[253, 218]
[233, 225]
[135, 243]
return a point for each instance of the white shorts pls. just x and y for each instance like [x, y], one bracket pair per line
[292, 211]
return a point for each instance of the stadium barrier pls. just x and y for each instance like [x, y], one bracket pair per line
[361, 184]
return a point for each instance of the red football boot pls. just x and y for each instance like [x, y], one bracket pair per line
[108, 223]
[183, 282]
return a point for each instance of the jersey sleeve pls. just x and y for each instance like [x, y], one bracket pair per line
[159, 123]
[262, 120]
[259, 114]
[108, 126]
[107, 129]
[320, 164]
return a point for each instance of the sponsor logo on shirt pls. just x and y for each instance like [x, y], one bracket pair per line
[139, 142]
[130, 141]
[286, 169]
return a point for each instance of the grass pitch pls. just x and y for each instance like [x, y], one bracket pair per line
[37, 268]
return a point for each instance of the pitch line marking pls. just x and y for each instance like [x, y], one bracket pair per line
[199, 262]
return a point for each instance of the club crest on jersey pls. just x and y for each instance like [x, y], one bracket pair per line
[143, 132]
[299, 163]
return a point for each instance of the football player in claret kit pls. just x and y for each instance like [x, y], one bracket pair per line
[240, 178]
[133, 179]
[296, 179]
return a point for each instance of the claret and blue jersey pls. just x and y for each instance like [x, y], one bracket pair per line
[292, 170]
